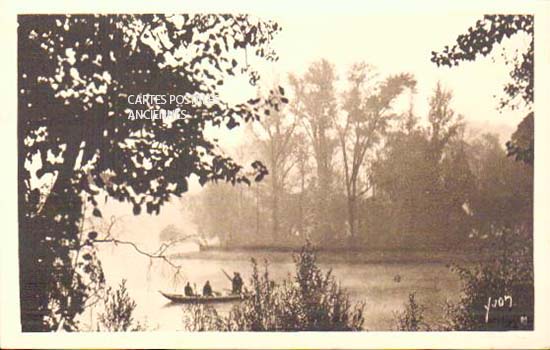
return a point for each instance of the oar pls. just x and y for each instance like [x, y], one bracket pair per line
[227, 275]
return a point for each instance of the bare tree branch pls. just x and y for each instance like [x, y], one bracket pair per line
[159, 254]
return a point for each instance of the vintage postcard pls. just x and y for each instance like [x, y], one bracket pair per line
[345, 175]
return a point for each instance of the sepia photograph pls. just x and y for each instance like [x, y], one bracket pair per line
[288, 172]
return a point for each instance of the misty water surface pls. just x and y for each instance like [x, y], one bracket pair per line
[371, 281]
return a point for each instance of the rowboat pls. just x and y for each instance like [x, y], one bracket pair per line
[199, 299]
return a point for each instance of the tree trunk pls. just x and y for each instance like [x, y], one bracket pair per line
[34, 256]
[352, 218]
[323, 213]
[301, 205]
[275, 205]
[257, 209]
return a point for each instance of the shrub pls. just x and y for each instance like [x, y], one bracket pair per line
[310, 301]
[203, 318]
[119, 310]
[509, 274]
[411, 319]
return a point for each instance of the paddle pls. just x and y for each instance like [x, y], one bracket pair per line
[227, 275]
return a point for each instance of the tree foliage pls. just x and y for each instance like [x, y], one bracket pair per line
[480, 40]
[423, 176]
[503, 195]
[315, 104]
[368, 115]
[276, 145]
[75, 76]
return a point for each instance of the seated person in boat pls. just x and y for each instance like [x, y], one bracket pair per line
[188, 290]
[237, 283]
[207, 290]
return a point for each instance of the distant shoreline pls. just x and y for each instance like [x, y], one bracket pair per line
[335, 255]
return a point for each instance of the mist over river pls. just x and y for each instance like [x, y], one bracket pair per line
[382, 280]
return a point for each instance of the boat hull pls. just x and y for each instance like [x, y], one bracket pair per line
[182, 299]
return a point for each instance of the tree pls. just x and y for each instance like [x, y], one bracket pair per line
[170, 233]
[277, 143]
[481, 40]
[504, 188]
[448, 176]
[424, 174]
[444, 124]
[315, 105]
[74, 78]
[402, 175]
[368, 113]
[227, 212]
[303, 168]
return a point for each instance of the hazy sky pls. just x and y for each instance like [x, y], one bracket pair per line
[395, 44]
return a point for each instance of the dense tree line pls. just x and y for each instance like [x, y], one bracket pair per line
[353, 169]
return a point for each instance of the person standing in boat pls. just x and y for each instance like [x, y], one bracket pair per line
[188, 290]
[237, 283]
[207, 290]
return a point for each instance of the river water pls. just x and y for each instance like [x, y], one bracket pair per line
[367, 277]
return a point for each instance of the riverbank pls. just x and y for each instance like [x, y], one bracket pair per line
[339, 256]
